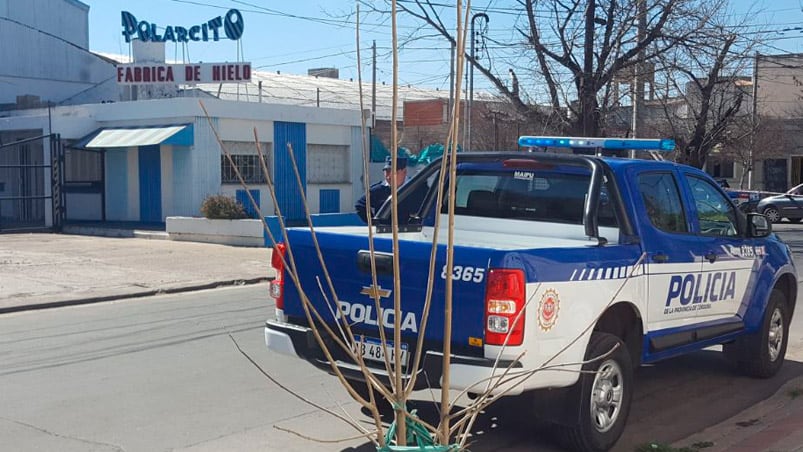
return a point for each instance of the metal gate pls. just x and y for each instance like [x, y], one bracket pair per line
[27, 202]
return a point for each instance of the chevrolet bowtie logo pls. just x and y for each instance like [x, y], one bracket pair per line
[374, 291]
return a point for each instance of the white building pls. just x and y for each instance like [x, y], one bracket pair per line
[143, 161]
[75, 145]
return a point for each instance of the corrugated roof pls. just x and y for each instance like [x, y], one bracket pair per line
[324, 92]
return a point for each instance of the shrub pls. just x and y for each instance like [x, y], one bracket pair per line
[222, 207]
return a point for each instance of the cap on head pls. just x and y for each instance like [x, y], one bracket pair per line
[401, 163]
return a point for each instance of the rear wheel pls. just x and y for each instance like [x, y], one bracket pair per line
[773, 214]
[762, 354]
[606, 387]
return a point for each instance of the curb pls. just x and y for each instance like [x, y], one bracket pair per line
[144, 293]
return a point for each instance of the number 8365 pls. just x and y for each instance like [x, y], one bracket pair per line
[467, 274]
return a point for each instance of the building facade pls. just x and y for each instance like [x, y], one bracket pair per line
[77, 146]
[143, 161]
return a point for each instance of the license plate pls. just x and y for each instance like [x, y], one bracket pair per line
[371, 349]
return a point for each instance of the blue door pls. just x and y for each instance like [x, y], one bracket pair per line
[288, 194]
[150, 184]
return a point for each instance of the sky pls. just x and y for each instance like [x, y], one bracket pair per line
[293, 36]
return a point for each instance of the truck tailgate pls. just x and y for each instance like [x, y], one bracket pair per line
[353, 285]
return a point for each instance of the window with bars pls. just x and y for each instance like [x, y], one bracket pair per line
[245, 158]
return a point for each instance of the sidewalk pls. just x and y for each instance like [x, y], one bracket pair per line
[774, 425]
[46, 270]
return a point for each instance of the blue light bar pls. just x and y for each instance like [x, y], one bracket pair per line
[665, 144]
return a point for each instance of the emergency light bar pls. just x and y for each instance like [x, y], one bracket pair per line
[664, 144]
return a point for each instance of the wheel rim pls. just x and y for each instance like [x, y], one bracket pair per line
[772, 215]
[776, 334]
[606, 396]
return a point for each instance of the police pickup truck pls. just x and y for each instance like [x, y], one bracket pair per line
[562, 264]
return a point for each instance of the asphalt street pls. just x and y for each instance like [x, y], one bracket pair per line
[154, 374]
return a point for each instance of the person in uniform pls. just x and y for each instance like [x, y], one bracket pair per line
[380, 191]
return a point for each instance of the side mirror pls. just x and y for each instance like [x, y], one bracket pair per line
[758, 225]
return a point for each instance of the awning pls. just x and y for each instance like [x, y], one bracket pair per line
[176, 135]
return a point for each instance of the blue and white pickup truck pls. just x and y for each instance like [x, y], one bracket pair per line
[562, 263]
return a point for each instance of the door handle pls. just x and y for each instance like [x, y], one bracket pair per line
[660, 258]
[711, 257]
[384, 262]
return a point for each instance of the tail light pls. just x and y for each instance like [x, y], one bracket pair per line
[277, 285]
[504, 302]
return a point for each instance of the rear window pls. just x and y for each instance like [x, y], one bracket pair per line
[535, 195]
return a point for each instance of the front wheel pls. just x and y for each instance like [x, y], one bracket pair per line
[762, 354]
[773, 214]
[606, 387]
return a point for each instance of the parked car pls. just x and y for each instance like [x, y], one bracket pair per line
[788, 205]
[748, 200]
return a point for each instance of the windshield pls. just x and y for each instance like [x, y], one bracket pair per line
[525, 194]
[796, 190]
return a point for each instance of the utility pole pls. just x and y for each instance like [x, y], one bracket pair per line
[753, 124]
[451, 85]
[587, 93]
[471, 75]
[373, 89]
[638, 77]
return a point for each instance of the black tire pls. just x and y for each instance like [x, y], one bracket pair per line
[772, 213]
[601, 419]
[761, 355]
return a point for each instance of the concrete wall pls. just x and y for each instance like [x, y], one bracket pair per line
[225, 232]
[67, 19]
[779, 85]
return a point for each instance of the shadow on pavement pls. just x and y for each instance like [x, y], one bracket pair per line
[673, 399]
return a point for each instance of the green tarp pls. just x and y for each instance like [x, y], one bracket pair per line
[432, 152]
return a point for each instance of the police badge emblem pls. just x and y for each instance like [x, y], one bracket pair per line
[548, 309]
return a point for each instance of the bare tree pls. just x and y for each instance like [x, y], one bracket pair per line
[711, 102]
[568, 53]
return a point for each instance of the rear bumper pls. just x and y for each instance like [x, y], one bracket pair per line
[466, 372]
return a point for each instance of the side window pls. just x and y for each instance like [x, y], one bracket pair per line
[662, 200]
[716, 213]
[468, 185]
[607, 209]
